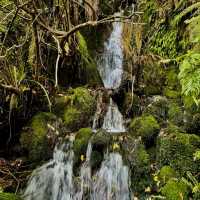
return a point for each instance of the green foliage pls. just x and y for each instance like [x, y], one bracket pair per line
[9, 196]
[88, 64]
[190, 75]
[175, 114]
[189, 9]
[166, 173]
[140, 167]
[175, 190]
[164, 42]
[158, 108]
[145, 126]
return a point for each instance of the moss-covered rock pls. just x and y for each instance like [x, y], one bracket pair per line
[146, 127]
[158, 108]
[9, 196]
[175, 190]
[76, 108]
[40, 136]
[81, 142]
[176, 149]
[166, 173]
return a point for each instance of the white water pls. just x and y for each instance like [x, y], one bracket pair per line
[111, 69]
[113, 120]
[110, 64]
[54, 180]
[111, 181]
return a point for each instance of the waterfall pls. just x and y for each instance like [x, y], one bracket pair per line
[111, 181]
[55, 180]
[110, 66]
[110, 63]
[113, 120]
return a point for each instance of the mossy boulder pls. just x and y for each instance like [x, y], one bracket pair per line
[81, 143]
[166, 173]
[76, 108]
[100, 143]
[9, 196]
[176, 148]
[40, 136]
[158, 108]
[175, 190]
[145, 127]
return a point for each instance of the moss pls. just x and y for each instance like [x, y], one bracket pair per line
[175, 114]
[81, 142]
[172, 94]
[71, 117]
[176, 149]
[89, 67]
[175, 190]
[35, 140]
[158, 108]
[100, 142]
[76, 108]
[166, 173]
[9, 196]
[145, 126]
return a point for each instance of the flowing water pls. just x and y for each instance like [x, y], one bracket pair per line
[55, 180]
[110, 66]
[110, 63]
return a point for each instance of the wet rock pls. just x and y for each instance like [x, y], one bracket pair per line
[81, 142]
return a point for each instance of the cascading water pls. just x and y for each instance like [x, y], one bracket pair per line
[111, 181]
[110, 63]
[113, 120]
[110, 66]
[55, 180]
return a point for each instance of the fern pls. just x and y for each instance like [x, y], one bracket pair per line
[189, 9]
[190, 75]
